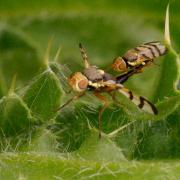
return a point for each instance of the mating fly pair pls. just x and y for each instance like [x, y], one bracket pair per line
[96, 80]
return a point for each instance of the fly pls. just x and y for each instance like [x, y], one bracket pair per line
[96, 80]
[140, 56]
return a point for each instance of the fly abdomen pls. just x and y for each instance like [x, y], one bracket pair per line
[156, 48]
[147, 51]
[151, 50]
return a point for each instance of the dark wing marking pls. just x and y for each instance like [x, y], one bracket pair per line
[141, 102]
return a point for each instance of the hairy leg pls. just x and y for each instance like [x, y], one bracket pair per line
[70, 100]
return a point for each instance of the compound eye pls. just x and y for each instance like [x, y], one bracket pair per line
[78, 82]
[82, 84]
[119, 65]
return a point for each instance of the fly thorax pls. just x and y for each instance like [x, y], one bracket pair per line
[138, 61]
[108, 77]
[131, 55]
[119, 65]
[93, 74]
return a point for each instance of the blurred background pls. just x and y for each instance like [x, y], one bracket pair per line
[106, 29]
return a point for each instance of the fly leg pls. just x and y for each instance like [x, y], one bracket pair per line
[106, 103]
[113, 96]
[70, 100]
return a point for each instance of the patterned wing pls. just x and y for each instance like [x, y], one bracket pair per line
[140, 101]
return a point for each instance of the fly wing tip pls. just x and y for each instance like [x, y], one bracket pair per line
[154, 109]
[148, 106]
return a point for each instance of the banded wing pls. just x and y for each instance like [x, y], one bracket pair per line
[140, 101]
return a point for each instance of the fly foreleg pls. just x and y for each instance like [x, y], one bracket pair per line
[70, 100]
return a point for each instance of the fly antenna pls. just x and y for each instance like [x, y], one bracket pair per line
[84, 56]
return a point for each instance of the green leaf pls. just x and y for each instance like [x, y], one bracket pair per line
[167, 38]
[15, 116]
[152, 139]
[137, 138]
[70, 128]
[43, 95]
[52, 166]
[166, 84]
[170, 68]
[42, 140]
[143, 138]
[3, 85]
[103, 150]
[71, 125]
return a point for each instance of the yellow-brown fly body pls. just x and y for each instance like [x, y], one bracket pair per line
[141, 55]
[98, 81]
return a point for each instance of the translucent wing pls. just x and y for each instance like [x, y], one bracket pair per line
[139, 101]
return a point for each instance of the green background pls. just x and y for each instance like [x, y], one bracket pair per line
[39, 143]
